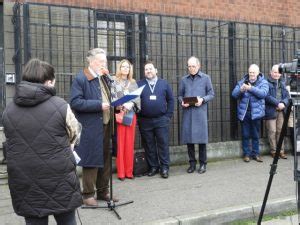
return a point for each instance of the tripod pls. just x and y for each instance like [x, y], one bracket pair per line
[275, 160]
[111, 205]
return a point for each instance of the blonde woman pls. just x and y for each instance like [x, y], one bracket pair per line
[124, 84]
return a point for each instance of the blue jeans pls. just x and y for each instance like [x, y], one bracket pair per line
[155, 134]
[67, 218]
[250, 131]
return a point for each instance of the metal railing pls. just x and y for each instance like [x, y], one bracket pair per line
[62, 35]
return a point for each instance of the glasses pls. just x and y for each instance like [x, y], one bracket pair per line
[191, 66]
[125, 67]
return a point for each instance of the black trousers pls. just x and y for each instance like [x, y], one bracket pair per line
[202, 154]
[67, 218]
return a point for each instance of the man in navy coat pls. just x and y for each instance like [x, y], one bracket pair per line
[90, 97]
[194, 116]
[157, 106]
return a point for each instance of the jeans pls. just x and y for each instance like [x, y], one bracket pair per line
[250, 131]
[67, 218]
[155, 134]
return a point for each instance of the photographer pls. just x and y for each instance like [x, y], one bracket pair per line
[276, 102]
[40, 129]
[251, 91]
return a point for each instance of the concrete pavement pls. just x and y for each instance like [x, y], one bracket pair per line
[230, 190]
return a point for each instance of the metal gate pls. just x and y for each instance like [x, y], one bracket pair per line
[62, 35]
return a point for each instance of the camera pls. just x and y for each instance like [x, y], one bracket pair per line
[293, 71]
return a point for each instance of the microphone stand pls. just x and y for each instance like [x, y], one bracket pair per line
[111, 205]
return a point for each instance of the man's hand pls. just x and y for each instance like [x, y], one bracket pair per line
[245, 87]
[185, 105]
[200, 101]
[105, 106]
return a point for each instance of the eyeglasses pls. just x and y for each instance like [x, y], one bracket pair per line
[191, 66]
[125, 67]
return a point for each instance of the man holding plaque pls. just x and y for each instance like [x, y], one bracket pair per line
[195, 91]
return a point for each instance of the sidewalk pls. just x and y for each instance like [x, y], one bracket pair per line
[229, 190]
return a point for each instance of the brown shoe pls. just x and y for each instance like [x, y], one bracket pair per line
[107, 198]
[90, 202]
[246, 159]
[273, 154]
[258, 159]
[282, 155]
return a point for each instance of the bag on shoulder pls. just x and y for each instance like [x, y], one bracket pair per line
[140, 166]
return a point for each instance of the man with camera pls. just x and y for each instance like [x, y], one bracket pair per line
[276, 102]
[251, 91]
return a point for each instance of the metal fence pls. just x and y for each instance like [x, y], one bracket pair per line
[62, 35]
[2, 82]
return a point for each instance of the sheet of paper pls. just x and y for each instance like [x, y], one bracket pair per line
[128, 97]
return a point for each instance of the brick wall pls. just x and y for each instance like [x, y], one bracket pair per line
[255, 11]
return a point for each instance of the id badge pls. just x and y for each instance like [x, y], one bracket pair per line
[152, 97]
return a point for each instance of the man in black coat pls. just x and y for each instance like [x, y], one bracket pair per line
[276, 102]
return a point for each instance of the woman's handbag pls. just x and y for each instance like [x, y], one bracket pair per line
[125, 118]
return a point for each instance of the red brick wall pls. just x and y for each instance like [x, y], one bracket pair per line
[286, 12]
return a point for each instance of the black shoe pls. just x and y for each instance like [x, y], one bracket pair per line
[152, 172]
[164, 173]
[191, 169]
[202, 169]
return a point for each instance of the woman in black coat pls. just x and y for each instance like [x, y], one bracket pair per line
[40, 129]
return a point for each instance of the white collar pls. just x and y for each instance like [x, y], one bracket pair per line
[152, 81]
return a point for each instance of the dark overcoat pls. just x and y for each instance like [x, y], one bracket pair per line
[86, 102]
[40, 164]
[194, 126]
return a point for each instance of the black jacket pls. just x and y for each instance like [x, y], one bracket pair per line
[41, 167]
[272, 101]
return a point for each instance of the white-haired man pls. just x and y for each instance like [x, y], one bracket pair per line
[251, 91]
[90, 97]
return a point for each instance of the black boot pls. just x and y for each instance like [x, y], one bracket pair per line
[202, 169]
[191, 169]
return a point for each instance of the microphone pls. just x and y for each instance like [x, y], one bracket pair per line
[108, 78]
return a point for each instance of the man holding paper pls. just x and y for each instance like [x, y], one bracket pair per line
[157, 106]
[195, 91]
[90, 97]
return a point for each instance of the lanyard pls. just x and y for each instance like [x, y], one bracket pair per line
[152, 88]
